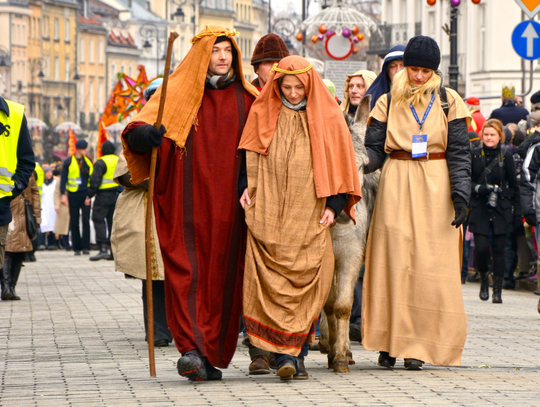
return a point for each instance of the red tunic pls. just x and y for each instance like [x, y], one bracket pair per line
[201, 227]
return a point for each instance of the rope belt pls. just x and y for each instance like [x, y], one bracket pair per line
[405, 155]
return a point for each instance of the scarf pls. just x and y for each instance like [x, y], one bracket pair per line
[300, 106]
[220, 81]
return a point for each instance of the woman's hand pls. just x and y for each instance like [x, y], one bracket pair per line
[63, 200]
[328, 217]
[244, 199]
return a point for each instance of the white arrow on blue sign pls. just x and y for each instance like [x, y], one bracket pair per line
[526, 40]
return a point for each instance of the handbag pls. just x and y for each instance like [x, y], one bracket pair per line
[32, 226]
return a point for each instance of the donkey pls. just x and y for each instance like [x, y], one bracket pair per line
[349, 243]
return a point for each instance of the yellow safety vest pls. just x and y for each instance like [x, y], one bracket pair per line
[40, 178]
[74, 174]
[9, 141]
[107, 181]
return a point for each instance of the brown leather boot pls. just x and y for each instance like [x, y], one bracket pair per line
[259, 365]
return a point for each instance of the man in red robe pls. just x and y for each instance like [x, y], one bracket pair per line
[199, 220]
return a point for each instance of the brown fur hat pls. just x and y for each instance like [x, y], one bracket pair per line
[269, 48]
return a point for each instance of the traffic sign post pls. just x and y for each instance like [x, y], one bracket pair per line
[526, 39]
[529, 7]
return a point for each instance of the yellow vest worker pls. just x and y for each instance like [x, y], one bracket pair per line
[17, 162]
[76, 171]
[104, 189]
[40, 178]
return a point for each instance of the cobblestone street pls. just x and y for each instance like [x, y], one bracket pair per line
[77, 339]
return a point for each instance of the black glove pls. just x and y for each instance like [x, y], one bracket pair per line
[460, 207]
[482, 190]
[531, 219]
[153, 136]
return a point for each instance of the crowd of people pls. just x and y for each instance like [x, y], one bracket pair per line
[251, 176]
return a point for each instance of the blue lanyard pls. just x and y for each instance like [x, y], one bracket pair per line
[421, 123]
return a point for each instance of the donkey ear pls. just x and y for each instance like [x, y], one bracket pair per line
[362, 113]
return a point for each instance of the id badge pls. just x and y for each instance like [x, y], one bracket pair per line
[419, 145]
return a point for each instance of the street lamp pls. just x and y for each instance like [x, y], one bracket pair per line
[453, 69]
[36, 64]
[180, 12]
[149, 30]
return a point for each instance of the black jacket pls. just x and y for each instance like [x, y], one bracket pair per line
[508, 207]
[509, 112]
[530, 153]
[25, 166]
[458, 156]
[103, 196]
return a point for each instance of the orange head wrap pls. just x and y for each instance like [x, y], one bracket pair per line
[334, 164]
[184, 96]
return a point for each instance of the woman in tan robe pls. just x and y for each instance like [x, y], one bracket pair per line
[412, 305]
[301, 172]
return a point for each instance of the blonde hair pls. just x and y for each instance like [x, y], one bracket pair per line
[403, 92]
[497, 125]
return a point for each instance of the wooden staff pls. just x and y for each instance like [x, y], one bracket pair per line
[149, 205]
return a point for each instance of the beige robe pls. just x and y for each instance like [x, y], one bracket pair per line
[289, 259]
[128, 232]
[412, 304]
[61, 223]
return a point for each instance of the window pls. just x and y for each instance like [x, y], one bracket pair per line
[113, 72]
[100, 95]
[388, 12]
[56, 69]
[482, 42]
[91, 51]
[67, 70]
[81, 50]
[403, 11]
[90, 94]
[431, 23]
[45, 27]
[66, 39]
[130, 71]
[100, 52]
[56, 29]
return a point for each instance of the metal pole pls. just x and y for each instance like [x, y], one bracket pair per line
[454, 68]
[303, 31]
[269, 16]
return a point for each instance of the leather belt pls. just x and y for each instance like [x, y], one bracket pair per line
[405, 155]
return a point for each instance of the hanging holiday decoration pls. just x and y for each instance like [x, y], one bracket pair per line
[314, 39]
[355, 50]
[476, 1]
[342, 25]
[455, 3]
[71, 142]
[431, 2]
[320, 37]
[299, 37]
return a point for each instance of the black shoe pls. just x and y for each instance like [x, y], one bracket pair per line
[6, 292]
[160, 343]
[6, 278]
[86, 251]
[484, 286]
[192, 366]
[386, 361]
[413, 364]
[473, 278]
[102, 255]
[355, 334]
[77, 252]
[286, 370]
[463, 281]
[31, 257]
[15, 296]
[51, 247]
[301, 372]
[211, 372]
[41, 247]
[497, 290]
[537, 292]
[508, 285]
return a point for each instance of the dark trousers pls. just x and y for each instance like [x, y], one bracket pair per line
[466, 251]
[102, 213]
[481, 251]
[76, 206]
[161, 329]
[280, 357]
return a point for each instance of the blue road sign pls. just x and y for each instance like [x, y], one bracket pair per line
[526, 39]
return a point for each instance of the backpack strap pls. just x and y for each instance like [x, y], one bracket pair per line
[388, 101]
[444, 100]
